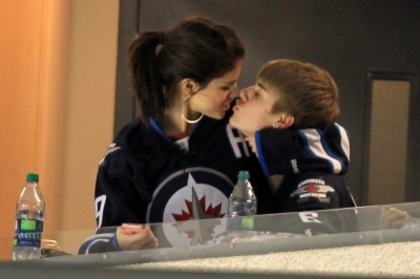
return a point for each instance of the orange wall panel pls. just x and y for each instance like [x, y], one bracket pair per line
[20, 34]
[57, 90]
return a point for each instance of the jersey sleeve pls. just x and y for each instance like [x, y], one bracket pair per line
[313, 163]
[312, 222]
[287, 151]
[103, 241]
[322, 201]
[118, 196]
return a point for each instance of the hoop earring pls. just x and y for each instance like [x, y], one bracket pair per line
[185, 118]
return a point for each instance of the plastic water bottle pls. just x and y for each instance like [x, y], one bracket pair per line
[30, 208]
[242, 202]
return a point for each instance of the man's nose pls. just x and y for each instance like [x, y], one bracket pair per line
[245, 93]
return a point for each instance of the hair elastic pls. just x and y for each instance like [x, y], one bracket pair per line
[160, 44]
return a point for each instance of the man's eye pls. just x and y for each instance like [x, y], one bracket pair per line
[226, 88]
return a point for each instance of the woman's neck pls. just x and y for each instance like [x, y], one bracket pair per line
[172, 123]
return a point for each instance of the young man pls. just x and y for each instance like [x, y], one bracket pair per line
[288, 119]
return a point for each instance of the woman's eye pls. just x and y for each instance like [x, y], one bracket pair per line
[226, 88]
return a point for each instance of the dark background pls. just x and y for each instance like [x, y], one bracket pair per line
[349, 38]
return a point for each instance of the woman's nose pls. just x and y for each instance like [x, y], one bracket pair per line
[234, 93]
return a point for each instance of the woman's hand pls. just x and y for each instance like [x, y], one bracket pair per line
[251, 142]
[392, 218]
[142, 240]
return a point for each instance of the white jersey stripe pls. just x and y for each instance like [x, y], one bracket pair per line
[345, 141]
[313, 140]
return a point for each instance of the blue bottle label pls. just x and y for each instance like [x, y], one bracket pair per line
[28, 232]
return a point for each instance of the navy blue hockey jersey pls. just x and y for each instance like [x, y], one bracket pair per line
[313, 163]
[145, 177]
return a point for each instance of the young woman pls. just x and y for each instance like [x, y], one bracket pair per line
[179, 161]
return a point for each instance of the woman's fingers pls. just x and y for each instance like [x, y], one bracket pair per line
[143, 240]
[146, 239]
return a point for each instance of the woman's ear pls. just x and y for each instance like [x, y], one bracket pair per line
[188, 86]
[284, 121]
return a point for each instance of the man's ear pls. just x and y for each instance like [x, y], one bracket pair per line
[188, 86]
[284, 121]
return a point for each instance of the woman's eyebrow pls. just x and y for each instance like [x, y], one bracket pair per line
[230, 82]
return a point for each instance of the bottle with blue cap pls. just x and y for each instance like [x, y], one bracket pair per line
[30, 209]
[242, 202]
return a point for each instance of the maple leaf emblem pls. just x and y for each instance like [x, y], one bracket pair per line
[210, 212]
[198, 232]
[311, 188]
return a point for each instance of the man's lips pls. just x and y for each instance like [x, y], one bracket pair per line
[236, 107]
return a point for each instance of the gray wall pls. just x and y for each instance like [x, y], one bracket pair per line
[345, 37]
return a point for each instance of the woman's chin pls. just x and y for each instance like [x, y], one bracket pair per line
[217, 115]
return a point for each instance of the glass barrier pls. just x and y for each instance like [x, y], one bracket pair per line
[239, 236]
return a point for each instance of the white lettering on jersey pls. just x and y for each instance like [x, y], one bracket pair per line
[99, 209]
[316, 195]
[309, 217]
[312, 180]
[236, 141]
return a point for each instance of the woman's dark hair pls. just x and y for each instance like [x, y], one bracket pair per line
[195, 48]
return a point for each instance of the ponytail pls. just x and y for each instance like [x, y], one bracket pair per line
[145, 75]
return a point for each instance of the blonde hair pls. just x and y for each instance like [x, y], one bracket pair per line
[305, 91]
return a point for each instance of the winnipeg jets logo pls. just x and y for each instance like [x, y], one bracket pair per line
[184, 198]
[197, 208]
[313, 188]
[198, 232]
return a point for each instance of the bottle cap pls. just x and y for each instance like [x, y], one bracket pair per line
[32, 177]
[244, 175]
